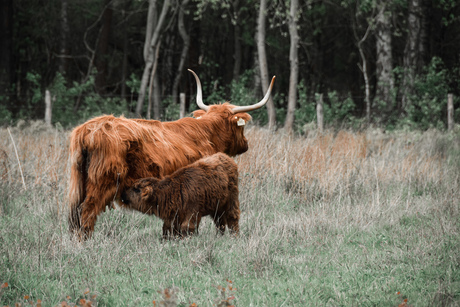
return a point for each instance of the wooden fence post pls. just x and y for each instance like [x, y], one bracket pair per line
[319, 113]
[48, 107]
[182, 105]
[450, 112]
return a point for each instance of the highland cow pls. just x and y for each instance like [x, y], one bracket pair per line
[109, 154]
[208, 186]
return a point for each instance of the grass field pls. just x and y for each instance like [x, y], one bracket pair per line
[342, 219]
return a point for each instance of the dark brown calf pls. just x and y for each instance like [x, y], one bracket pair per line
[207, 187]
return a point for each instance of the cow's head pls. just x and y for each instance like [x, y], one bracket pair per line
[230, 118]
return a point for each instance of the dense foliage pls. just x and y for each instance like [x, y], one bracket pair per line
[89, 54]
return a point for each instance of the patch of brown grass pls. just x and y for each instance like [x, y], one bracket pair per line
[331, 160]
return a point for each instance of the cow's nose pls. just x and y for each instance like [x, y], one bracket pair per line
[124, 198]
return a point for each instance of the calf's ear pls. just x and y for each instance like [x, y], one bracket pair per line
[146, 192]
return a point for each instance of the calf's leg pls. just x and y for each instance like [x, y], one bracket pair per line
[190, 224]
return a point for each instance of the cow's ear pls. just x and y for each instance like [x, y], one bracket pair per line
[241, 119]
[198, 113]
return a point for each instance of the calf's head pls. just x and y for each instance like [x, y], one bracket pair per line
[141, 195]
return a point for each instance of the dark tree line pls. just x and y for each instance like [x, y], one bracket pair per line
[374, 60]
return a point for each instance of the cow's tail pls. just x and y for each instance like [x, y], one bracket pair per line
[78, 177]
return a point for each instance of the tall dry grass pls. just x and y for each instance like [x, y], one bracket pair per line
[342, 218]
[359, 175]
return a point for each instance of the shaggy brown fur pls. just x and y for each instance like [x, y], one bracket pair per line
[109, 153]
[207, 187]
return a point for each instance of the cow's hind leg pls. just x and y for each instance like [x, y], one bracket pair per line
[97, 198]
[75, 217]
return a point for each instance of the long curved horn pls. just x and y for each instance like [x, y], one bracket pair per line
[199, 94]
[257, 105]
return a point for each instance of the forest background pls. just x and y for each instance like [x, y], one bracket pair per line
[388, 63]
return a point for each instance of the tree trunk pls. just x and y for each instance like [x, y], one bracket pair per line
[294, 64]
[384, 69]
[185, 47]
[48, 107]
[101, 58]
[182, 105]
[263, 63]
[367, 88]
[124, 67]
[450, 112]
[154, 102]
[320, 113]
[6, 46]
[154, 96]
[65, 31]
[150, 50]
[363, 65]
[257, 83]
[414, 51]
[95, 53]
[237, 42]
[152, 19]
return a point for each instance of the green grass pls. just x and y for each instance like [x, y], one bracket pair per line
[342, 219]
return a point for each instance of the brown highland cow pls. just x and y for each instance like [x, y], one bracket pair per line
[208, 186]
